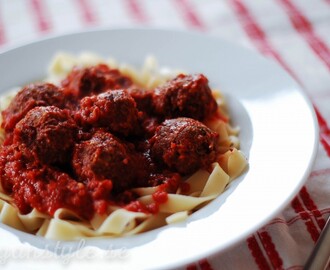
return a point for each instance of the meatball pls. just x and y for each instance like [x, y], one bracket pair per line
[184, 145]
[47, 132]
[105, 157]
[185, 96]
[94, 80]
[115, 110]
[149, 125]
[142, 97]
[33, 95]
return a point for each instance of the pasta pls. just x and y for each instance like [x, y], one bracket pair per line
[204, 185]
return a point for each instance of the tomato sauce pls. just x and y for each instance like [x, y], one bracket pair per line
[85, 144]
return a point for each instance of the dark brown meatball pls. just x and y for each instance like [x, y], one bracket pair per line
[149, 125]
[184, 145]
[49, 132]
[104, 156]
[142, 97]
[186, 95]
[32, 95]
[115, 110]
[94, 80]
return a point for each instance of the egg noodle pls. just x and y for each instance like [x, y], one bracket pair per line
[204, 185]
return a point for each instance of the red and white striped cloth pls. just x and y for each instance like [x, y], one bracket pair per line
[295, 33]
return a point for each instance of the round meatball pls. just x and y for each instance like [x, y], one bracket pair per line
[32, 95]
[185, 96]
[184, 145]
[115, 110]
[104, 156]
[142, 97]
[149, 125]
[48, 132]
[94, 80]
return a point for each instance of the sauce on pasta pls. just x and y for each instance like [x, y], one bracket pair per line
[87, 143]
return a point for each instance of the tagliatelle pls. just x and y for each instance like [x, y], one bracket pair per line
[204, 186]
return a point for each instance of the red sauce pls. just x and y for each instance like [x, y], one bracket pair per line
[137, 206]
[85, 144]
[160, 196]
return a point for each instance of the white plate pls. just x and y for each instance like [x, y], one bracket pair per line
[278, 134]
